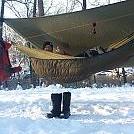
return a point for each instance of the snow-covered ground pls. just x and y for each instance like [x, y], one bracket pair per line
[94, 111]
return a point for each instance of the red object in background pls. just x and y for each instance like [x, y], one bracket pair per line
[5, 56]
[5, 64]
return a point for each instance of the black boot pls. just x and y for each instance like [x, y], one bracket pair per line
[56, 103]
[66, 104]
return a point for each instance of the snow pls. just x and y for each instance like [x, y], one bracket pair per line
[93, 111]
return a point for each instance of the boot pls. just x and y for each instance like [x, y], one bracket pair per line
[56, 103]
[66, 104]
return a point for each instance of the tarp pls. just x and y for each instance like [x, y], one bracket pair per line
[42, 54]
[113, 23]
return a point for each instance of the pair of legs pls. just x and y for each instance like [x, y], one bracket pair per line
[56, 103]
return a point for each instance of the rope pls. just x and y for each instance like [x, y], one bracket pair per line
[122, 42]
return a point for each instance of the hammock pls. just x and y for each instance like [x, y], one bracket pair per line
[67, 69]
[42, 54]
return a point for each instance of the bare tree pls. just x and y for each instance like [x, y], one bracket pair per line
[66, 6]
[34, 8]
[84, 5]
[48, 8]
[27, 8]
[24, 10]
[40, 8]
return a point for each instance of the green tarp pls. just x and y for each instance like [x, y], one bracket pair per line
[113, 23]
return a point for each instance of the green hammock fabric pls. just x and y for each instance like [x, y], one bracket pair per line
[42, 54]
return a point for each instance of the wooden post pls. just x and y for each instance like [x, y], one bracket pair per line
[95, 82]
[118, 76]
[124, 76]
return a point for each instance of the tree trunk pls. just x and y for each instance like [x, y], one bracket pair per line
[40, 8]
[34, 8]
[84, 5]
[1, 19]
[109, 2]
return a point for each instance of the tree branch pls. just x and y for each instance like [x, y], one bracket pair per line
[49, 7]
[12, 8]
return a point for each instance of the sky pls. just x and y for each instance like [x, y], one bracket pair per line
[9, 14]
